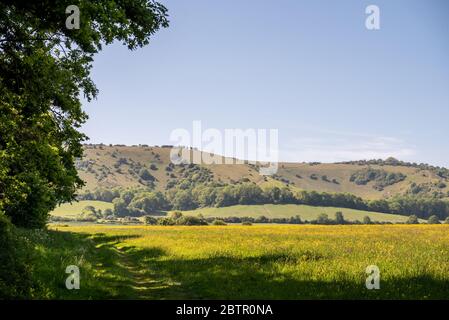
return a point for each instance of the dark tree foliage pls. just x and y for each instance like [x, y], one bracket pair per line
[15, 263]
[439, 171]
[381, 178]
[433, 220]
[44, 70]
[339, 218]
[147, 201]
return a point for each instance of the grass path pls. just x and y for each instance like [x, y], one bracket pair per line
[138, 274]
[139, 282]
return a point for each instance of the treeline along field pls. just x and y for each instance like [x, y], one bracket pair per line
[244, 262]
[141, 201]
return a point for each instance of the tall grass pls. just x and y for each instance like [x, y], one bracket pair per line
[261, 262]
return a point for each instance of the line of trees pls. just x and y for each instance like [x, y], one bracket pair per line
[177, 218]
[135, 202]
[439, 171]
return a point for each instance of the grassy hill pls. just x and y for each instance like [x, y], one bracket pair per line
[119, 166]
[70, 210]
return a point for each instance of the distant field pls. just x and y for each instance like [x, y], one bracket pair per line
[72, 209]
[245, 262]
[269, 210]
[289, 210]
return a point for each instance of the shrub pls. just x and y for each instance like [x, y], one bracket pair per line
[218, 222]
[323, 219]
[15, 263]
[433, 220]
[175, 215]
[293, 220]
[412, 219]
[262, 219]
[89, 210]
[108, 212]
[150, 220]
[339, 218]
[87, 216]
[441, 185]
[166, 222]
[246, 223]
[145, 175]
[191, 221]
[366, 220]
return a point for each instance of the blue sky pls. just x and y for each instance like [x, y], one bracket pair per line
[334, 90]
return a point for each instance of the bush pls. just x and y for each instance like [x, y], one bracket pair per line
[218, 222]
[15, 263]
[262, 219]
[191, 221]
[150, 220]
[433, 220]
[323, 219]
[447, 220]
[293, 220]
[144, 174]
[108, 212]
[86, 217]
[367, 220]
[166, 222]
[412, 219]
[339, 218]
[246, 223]
[441, 185]
[89, 210]
[175, 215]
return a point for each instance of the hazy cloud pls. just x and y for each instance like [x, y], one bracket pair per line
[333, 147]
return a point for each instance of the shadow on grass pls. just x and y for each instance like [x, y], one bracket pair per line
[109, 272]
[262, 277]
[105, 271]
[102, 238]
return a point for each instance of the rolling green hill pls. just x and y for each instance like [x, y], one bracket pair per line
[121, 166]
[70, 210]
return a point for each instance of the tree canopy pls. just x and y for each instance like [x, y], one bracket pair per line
[44, 72]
